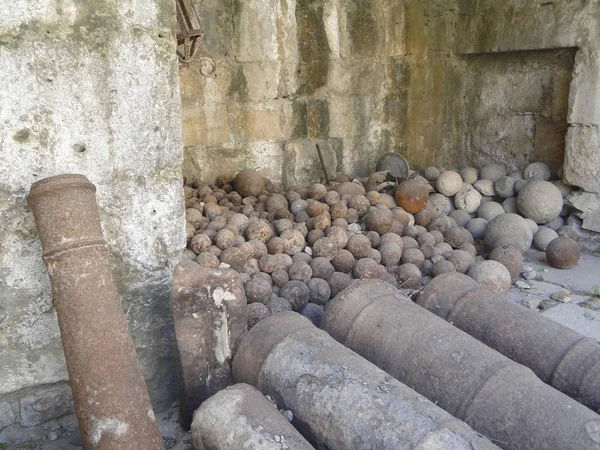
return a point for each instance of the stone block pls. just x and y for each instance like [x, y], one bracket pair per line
[46, 404]
[271, 121]
[31, 353]
[364, 32]
[584, 100]
[582, 157]
[262, 80]
[364, 78]
[210, 315]
[318, 119]
[589, 206]
[256, 30]
[301, 165]
[206, 124]
[342, 119]
[7, 415]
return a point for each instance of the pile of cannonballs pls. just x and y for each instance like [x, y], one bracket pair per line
[296, 250]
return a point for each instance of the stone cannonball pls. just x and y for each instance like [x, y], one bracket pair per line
[508, 228]
[440, 205]
[249, 183]
[467, 199]
[510, 257]
[537, 171]
[477, 227]
[469, 174]
[563, 253]
[543, 237]
[491, 274]
[408, 276]
[431, 174]
[256, 313]
[505, 187]
[380, 220]
[540, 201]
[449, 183]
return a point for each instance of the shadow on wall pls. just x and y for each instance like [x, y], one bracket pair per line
[515, 107]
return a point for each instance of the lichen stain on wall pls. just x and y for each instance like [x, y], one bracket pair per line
[294, 69]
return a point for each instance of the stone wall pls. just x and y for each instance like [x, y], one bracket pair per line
[294, 69]
[92, 89]
[515, 28]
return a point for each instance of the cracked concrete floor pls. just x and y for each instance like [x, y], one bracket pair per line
[570, 297]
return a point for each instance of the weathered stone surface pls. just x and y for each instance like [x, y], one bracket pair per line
[242, 411]
[210, 314]
[582, 157]
[47, 405]
[301, 164]
[589, 206]
[7, 414]
[122, 128]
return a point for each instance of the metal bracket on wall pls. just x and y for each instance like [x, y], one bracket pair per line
[189, 36]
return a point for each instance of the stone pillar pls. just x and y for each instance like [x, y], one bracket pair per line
[496, 396]
[110, 396]
[339, 398]
[210, 314]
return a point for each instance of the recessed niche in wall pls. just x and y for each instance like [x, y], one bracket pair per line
[516, 107]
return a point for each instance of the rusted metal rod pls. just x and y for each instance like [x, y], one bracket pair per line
[324, 167]
[110, 395]
[339, 399]
[240, 417]
[558, 355]
[496, 396]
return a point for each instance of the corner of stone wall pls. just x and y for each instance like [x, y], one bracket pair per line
[91, 90]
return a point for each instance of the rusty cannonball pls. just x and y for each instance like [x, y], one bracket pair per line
[326, 247]
[380, 220]
[297, 293]
[360, 203]
[408, 276]
[260, 229]
[359, 245]
[200, 243]
[276, 202]
[343, 261]
[249, 183]
[412, 195]
[275, 245]
[563, 253]
[339, 210]
[224, 239]
[208, 260]
[300, 271]
[510, 257]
